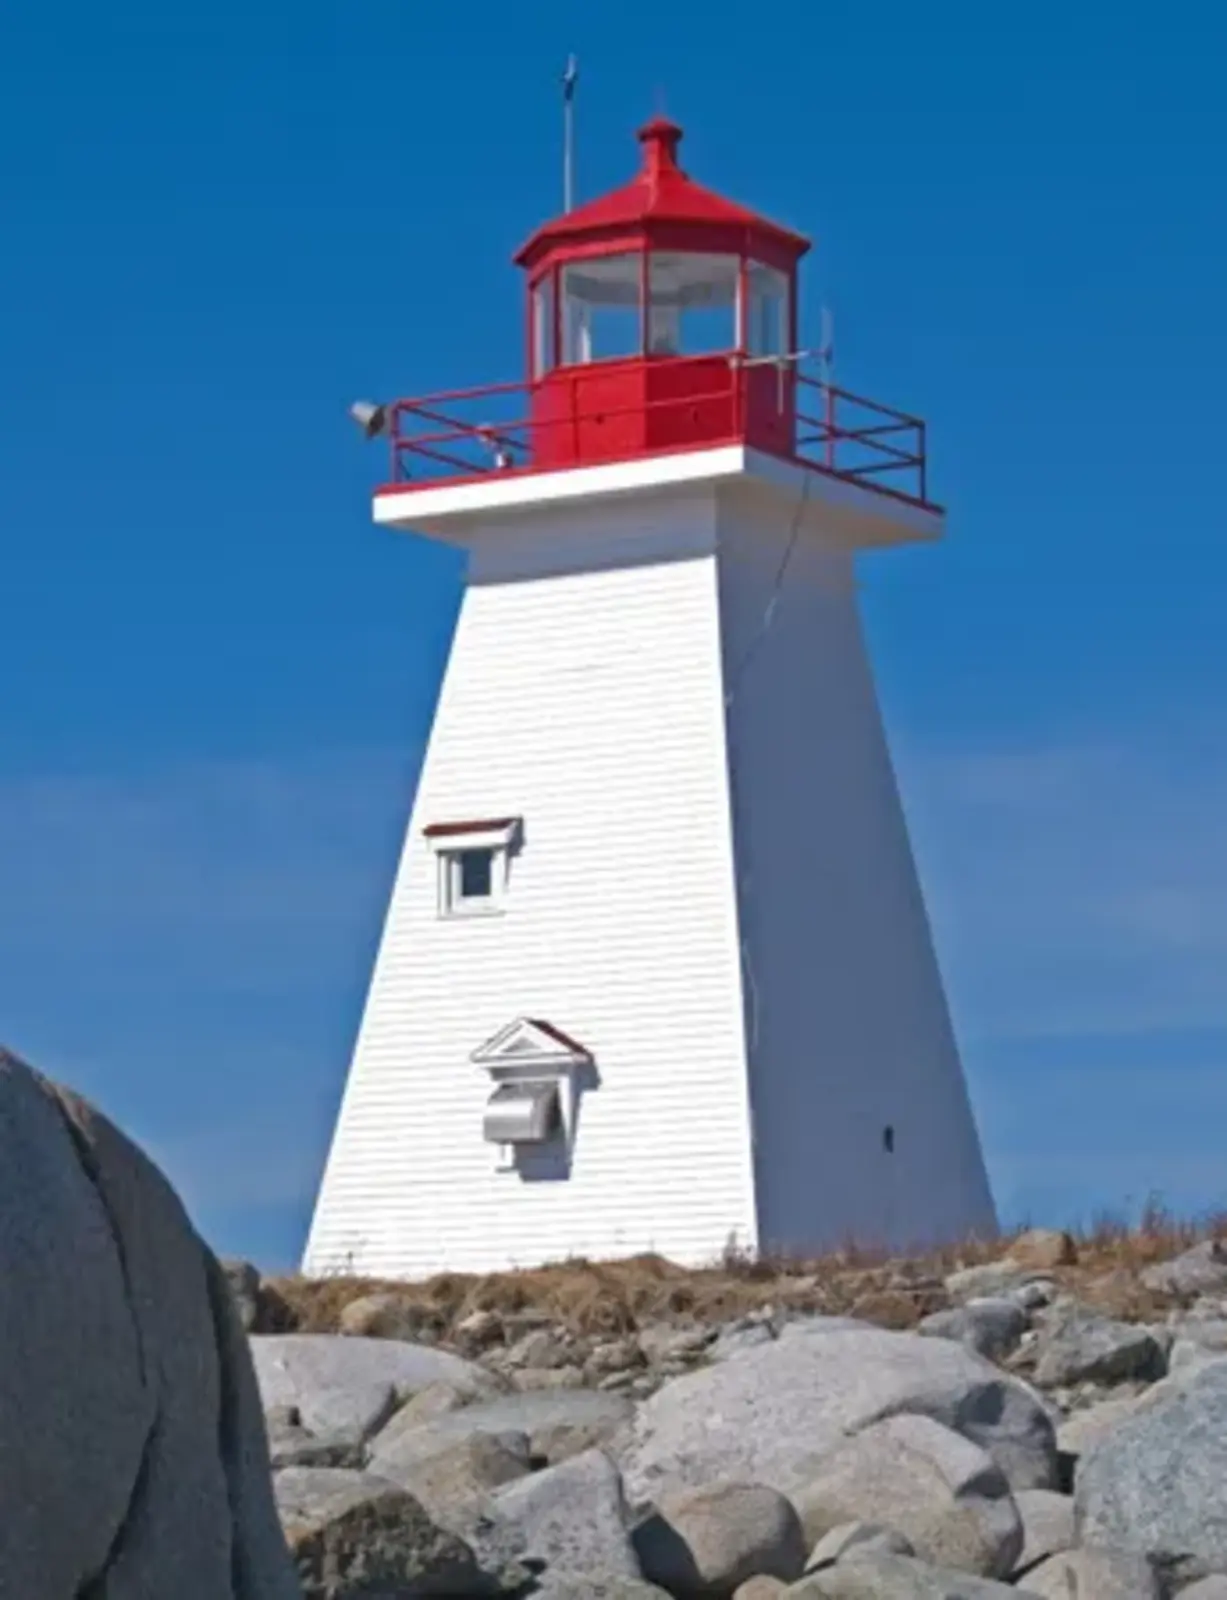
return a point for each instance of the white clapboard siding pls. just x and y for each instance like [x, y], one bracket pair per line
[863, 1124]
[585, 698]
[714, 895]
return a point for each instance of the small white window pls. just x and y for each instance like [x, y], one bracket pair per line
[473, 864]
[470, 879]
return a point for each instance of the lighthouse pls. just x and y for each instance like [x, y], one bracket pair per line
[656, 973]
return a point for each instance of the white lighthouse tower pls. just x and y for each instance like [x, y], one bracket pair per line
[656, 973]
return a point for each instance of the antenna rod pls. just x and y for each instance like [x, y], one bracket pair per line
[569, 79]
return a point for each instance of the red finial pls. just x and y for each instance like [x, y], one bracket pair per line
[660, 139]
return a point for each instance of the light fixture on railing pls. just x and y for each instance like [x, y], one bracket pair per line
[370, 417]
[499, 447]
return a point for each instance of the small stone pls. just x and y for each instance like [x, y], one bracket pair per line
[541, 1348]
[1048, 1526]
[559, 1585]
[290, 1445]
[1201, 1270]
[528, 1379]
[989, 1279]
[244, 1283]
[851, 1540]
[662, 1342]
[889, 1577]
[1079, 1432]
[760, 1587]
[991, 1327]
[613, 1358]
[1042, 1249]
[479, 1330]
[389, 1316]
[465, 1471]
[1094, 1574]
[435, 1400]
[1080, 1346]
[708, 1541]
[887, 1308]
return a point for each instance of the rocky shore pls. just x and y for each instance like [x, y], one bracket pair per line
[1047, 1422]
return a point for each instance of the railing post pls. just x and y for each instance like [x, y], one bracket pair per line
[924, 461]
[829, 398]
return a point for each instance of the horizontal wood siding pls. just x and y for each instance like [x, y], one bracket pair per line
[583, 694]
[848, 1027]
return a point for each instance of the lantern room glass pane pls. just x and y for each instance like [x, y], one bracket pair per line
[767, 322]
[692, 303]
[602, 311]
[543, 325]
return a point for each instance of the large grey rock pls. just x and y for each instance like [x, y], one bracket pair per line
[572, 1516]
[464, 1472]
[1201, 1270]
[992, 1327]
[1092, 1575]
[768, 1415]
[890, 1577]
[1155, 1483]
[558, 1422]
[944, 1494]
[133, 1458]
[1048, 1525]
[708, 1541]
[1211, 1588]
[338, 1382]
[1081, 1347]
[352, 1533]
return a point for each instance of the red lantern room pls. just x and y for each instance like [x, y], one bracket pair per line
[640, 304]
[661, 318]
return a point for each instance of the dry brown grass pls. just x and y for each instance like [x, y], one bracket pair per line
[608, 1299]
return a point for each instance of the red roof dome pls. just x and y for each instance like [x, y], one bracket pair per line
[662, 206]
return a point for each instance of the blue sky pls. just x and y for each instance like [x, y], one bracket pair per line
[220, 224]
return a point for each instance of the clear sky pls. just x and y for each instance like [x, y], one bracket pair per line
[220, 223]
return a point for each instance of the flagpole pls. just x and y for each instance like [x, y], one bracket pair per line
[569, 80]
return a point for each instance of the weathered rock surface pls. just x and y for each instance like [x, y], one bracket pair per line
[243, 1280]
[852, 1539]
[944, 1494]
[466, 1472]
[1079, 1346]
[351, 1533]
[559, 1585]
[1048, 1526]
[1212, 1588]
[769, 1414]
[1201, 1270]
[1092, 1575]
[1042, 1249]
[134, 1460]
[706, 1542]
[1156, 1484]
[890, 1577]
[572, 1516]
[558, 1423]
[991, 1327]
[348, 1380]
